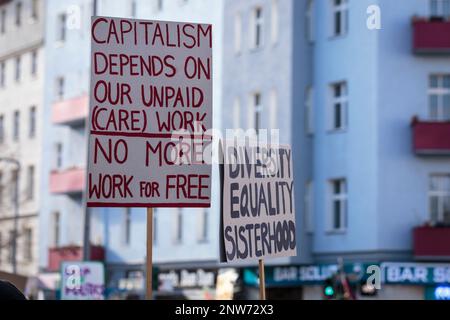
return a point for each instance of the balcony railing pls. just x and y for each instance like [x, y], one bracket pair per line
[69, 181]
[431, 137]
[432, 243]
[431, 35]
[72, 253]
[71, 111]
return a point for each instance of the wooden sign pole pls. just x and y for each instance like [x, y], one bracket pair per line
[149, 262]
[262, 281]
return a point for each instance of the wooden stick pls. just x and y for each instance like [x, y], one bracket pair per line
[149, 264]
[262, 281]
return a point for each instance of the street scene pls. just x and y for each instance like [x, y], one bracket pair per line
[225, 150]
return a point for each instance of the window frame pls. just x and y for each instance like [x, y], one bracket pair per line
[61, 30]
[441, 194]
[16, 126]
[342, 198]
[343, 101]
[178, 227]
[440, 92]
[18, 14]
[257, 28]
[31, 182]
[344, 18]
[32, 122]
[440, 8]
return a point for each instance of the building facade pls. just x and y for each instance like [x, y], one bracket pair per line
[22, 75]
[362, 95]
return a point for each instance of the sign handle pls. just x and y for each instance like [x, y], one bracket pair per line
[262, 281]
[149, 262]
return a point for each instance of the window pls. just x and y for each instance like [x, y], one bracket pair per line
[16, 125]
[32, 122]
[440, 198]
[439, 97]
[339, 106]
[34, 63]
[178, 227]
[203, 226]
[2, 74]
[273, 111]
[30, 182]
[61, 25]
[127, 226]
[60, 88]
[440, 8]
[309, 110]
[340, 17]
[310, 20]
[56, 228]
[274, 22]
[3, 21]
[18, 19]
[11, 246]
[309, 223]
[159, 4]
[237, 33]
[28, 245]
[257, 29]
[14, 183]
[34, 9]
[236, 113]
[2, 128]
[18, 66]
[59, 155]
[338, 205]
[255, 112]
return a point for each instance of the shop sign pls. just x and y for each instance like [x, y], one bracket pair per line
[416, 273]
[198, 278]
[286, 276]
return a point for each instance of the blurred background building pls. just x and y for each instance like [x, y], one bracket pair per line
[360, 89]
[22, 76]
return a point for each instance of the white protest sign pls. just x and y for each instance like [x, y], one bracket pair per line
[150, 112]
[258, 214]
[82, 281]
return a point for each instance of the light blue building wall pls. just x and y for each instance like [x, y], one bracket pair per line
[387, 183]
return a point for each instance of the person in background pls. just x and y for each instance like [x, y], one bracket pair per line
[9, 292]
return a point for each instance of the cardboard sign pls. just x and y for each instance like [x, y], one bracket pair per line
[258, 214]
[82, 281]
[150, 112]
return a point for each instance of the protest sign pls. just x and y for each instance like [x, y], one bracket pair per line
[82, 281]
[150, 112]
[258, 214]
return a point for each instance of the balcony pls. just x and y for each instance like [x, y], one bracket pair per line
[72, 112]
[72, 253]
[69, 181]
[431, 137]
[431, 36]
[432, 243]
